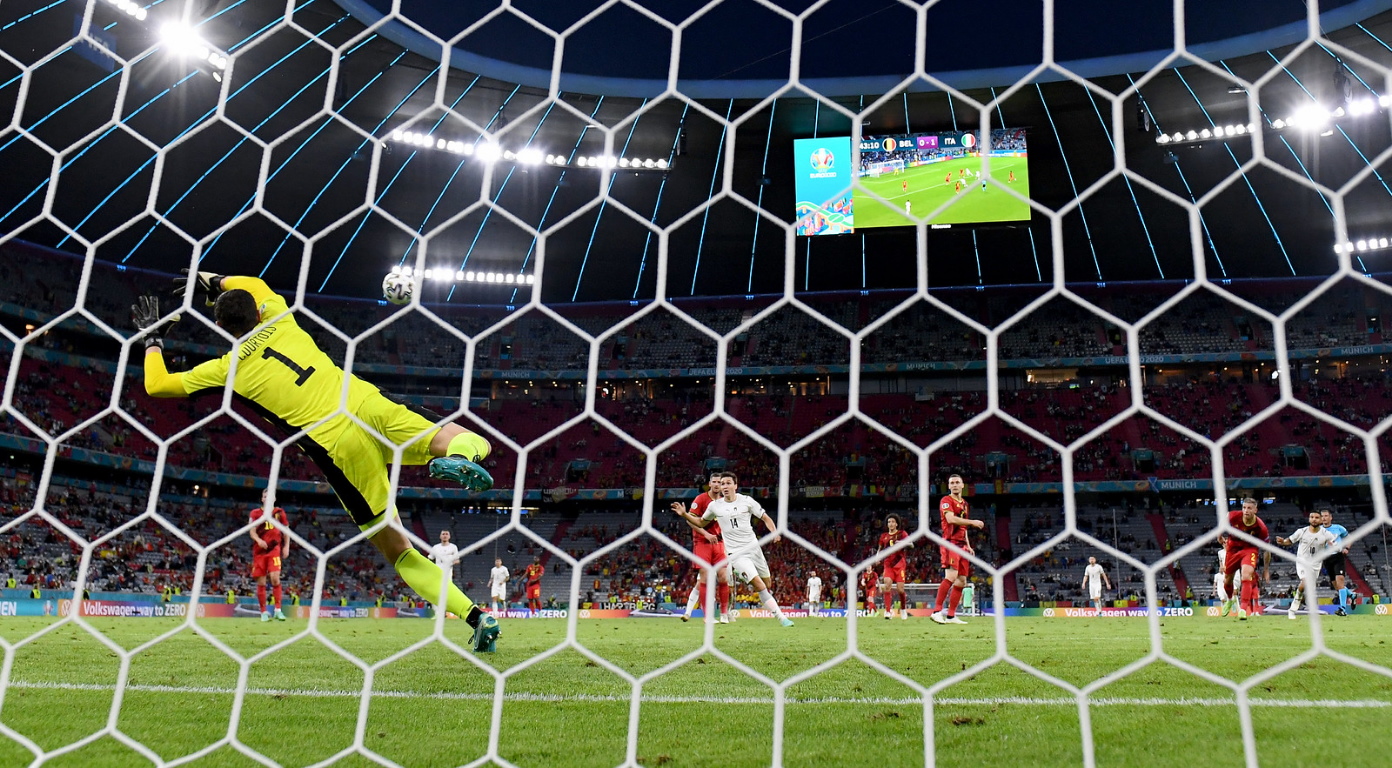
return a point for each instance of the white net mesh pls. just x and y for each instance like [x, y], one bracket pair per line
[272, 140]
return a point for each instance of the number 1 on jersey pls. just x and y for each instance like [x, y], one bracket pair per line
[302, 373]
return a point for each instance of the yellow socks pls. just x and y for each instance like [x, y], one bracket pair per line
[424, 577]
[470, 445]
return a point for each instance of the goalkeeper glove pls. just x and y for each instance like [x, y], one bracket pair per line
[146, 314]
[209, 283]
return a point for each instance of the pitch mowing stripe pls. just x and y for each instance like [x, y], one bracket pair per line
[584, 697]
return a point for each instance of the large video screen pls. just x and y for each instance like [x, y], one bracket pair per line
[823, 186]
[910, 175]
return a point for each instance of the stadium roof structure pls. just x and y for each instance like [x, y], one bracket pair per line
[848, 47]
[263, 113]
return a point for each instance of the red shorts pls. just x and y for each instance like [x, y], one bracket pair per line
[1240, 557]
[711, 552]
[534, 591]
[894, 573]
[951, 561]
[263, 563]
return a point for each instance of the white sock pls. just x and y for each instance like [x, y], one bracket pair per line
[692, 599]
[770, 603]
[1296, 601]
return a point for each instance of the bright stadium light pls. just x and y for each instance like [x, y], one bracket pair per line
[487, 152]
[1310, 117]
[180, 39]
[490, 152]
[1363, 245]
[130, 9]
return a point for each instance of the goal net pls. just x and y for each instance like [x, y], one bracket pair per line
[110, 492]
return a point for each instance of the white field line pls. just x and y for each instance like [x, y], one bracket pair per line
[583, 697]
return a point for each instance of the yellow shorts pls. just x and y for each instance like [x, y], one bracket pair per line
[356, 462]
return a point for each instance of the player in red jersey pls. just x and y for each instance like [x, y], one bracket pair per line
[1242, 554]
[948, 178]
[954, 511]
[905, 185]
[268, 547]
[709, 547]
[533, 574]
[894, 567]
[869, 585]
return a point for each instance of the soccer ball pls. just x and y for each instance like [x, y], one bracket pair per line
[397, 288]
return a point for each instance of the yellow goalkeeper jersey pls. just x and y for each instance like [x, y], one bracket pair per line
[281, 371]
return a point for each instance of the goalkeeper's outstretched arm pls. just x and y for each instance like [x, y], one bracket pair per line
[159, 382]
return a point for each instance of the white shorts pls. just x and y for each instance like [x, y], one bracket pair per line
[750, 563]
[1096, 593]
[1307, 569]
[499, 593]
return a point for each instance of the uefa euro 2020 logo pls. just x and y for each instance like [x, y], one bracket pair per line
[822, 160]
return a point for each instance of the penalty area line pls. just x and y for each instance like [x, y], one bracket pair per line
[989, 701]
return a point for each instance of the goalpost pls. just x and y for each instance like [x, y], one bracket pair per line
[93, 37]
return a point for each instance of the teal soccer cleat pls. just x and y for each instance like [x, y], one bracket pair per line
[462, 471]
[486, 635]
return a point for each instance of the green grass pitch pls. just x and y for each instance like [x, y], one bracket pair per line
[434, 708]
[927, 191]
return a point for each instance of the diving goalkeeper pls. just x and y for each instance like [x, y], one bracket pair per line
[284, 376]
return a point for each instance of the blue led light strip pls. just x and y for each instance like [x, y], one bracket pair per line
[671, 156]
[1245, 180]
[1131, 190]
[1068, 170]
[228, 154]
[600, 214]
[527, 258]
[763, 173]
[1202, 222]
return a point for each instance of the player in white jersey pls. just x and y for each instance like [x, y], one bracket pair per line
[497, 585]
[1315, 542]
[1093, 577]
[814, 593]
[735, 513]
[444, 554]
